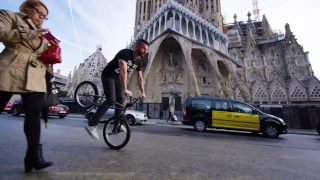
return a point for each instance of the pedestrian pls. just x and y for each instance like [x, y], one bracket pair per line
[161, 114]
[174, 118]
[22, 73]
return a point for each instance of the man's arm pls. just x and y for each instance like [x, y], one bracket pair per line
[123, 74]
[140, 81]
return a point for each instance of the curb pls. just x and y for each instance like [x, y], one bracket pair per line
[304, 133]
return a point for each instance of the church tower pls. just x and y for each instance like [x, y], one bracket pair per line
[210, 10]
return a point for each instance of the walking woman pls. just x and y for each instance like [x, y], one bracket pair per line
[22, 73]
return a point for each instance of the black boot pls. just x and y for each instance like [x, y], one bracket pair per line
[34, 159]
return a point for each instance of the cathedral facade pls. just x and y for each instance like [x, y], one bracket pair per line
[188, 55]
[275, 68]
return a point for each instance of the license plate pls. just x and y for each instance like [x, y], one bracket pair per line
[63, 112]
[7, 108]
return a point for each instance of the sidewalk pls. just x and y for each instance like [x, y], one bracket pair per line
[164, 121]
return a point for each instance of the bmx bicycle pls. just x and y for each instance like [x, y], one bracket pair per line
[115, 128]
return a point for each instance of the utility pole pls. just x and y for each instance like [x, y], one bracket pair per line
[256, 10]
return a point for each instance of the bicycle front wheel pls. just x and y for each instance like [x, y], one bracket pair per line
[116, 138]
[86, 94]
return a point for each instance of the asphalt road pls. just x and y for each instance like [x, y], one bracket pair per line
[159, 151]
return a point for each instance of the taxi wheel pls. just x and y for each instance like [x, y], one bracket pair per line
[199, 125]
[271, 131]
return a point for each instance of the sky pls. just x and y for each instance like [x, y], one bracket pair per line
[81, 25]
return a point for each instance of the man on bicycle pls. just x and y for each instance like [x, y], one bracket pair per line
[114, 81]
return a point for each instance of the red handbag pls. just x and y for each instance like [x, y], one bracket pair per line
[53, 56]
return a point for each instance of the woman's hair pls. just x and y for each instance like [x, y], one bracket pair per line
[31, 3]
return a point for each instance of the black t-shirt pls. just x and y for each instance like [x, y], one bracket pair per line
[112, 69]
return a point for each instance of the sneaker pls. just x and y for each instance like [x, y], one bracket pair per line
[92, 130]
[123, 128]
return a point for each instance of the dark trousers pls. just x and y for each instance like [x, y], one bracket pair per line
[114, 93]
[32, 108]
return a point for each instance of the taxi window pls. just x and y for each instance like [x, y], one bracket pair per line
[242, 108]
[201, 104]
[221, 105]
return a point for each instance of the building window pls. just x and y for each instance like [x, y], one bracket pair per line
[252, 56]
[271, 54]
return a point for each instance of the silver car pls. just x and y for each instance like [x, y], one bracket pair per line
[133, 117]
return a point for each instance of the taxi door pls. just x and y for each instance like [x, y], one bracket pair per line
[244, 117]
[221, 114]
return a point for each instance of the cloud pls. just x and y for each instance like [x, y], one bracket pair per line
[74, 27]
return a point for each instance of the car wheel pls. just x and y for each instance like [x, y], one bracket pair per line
[319, 131]
[15, 112]
[130, 119]
[200, 125]
[62, 117]
[271, 131]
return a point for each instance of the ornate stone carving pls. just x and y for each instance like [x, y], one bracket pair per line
[253, 76]
[173, 6]
[169, 77]
[172, 73]
[204, 74]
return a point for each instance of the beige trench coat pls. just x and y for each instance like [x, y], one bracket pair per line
[20, 70]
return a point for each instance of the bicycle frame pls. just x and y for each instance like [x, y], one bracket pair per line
[122, 115]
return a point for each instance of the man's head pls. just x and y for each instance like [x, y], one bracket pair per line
[141, 47]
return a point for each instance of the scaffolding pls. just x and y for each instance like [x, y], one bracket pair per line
[256, 10]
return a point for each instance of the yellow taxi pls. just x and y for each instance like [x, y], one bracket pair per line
[223, 113]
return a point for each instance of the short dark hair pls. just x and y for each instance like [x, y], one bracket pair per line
[142, 41]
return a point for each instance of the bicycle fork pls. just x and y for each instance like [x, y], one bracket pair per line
[117, 125]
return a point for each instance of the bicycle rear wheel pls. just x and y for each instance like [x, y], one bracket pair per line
[122, 134]
[86, 94]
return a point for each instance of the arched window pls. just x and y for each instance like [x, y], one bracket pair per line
[271, 53]
[292, 53]
[252, 55]
[234, 57]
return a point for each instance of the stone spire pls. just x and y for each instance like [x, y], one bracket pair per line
[249, 16]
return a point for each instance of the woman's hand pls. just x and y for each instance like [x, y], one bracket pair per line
[39, 32]
[54, 42]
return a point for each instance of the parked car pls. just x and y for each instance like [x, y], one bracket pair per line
[223, 113]
[8, 108]
[318, 126]
[132, 116]
[59, 110]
